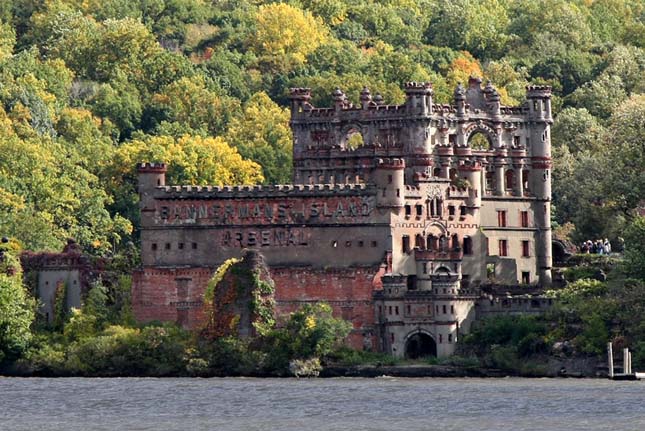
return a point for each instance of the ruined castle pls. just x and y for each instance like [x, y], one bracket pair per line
[399, 216]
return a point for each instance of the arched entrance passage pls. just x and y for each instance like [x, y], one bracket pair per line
[420, 345]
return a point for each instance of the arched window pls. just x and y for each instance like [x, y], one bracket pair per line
[419, 242]
[490, 180]
[435, 207]
[479, 141]
[432, 242]
[455, 241]
[510, 179]
[353, 139]
[468, 245]
[443, 243]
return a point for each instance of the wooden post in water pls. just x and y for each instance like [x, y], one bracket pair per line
[625, 360]
[610, 360]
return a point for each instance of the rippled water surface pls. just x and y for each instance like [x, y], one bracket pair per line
[320, 404]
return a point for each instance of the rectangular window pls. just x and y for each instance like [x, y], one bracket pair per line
[396, 310]
[181, 246]
[153, 246]
[405, 244]
[440, 338]
[361, 243]
[462, 211]
[380, 310]
[419, 210]
[524, 218]
[408, 210]
[167, 246]
[451, 210]
[389, 179]
[525, 249]
[501, 218]
[503, 247]
[450, 338]
[389, 310]
[374, 243]
[409, 310]
[194, 246]
[526, 277]
[452, 309]
[445, 310]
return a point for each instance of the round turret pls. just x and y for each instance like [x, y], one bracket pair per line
[389, 178]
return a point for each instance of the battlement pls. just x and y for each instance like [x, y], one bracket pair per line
[418, 87]
[300, 93]
[538, 91]
[157, 168]
[393, 163]
[258, 191]
[469, 165]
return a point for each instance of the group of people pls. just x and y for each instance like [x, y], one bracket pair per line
[596, 247]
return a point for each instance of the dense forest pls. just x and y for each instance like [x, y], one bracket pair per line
[88, 88]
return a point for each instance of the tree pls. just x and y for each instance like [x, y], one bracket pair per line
[462, 68]
[7, 40]
[16, 308]
[623, 176]
[191, 160]
[578, 130]
[600, 97]
[262, 134]
[285, 35]
[483, 26]
[635, 248]
[190, 103]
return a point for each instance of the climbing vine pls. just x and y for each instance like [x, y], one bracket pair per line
[209, 293]
[239, 299]
[60, 311]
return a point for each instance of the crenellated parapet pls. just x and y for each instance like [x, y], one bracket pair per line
[146, 168]
[260, 191]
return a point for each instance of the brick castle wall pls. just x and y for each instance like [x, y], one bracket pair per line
[172, 294]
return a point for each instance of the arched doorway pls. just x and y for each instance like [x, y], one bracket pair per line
[420, 345]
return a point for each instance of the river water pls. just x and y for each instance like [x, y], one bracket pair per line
[246, 404]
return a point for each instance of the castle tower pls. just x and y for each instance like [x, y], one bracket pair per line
[418, 149]
[539, 100]
[472, 172]
[299, 105]
[388, 176]
[150, 176]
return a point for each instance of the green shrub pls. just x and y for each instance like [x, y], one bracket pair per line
[346, 356]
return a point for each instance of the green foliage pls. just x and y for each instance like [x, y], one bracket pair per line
[310, 332]
[217, 278]
[348, 357]
[16, 310]
[635, 248]
[525, 334]
[82, 79]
